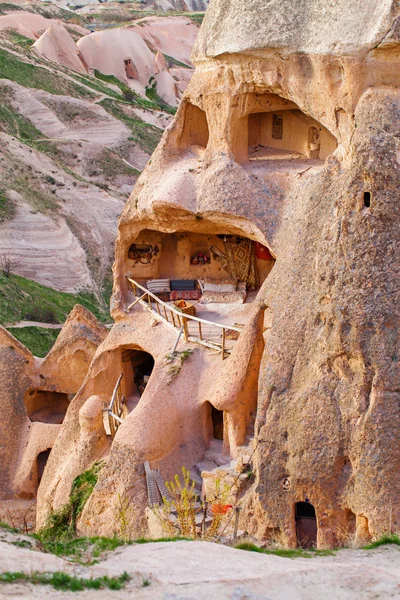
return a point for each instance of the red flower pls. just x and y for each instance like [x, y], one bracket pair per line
[220, 509]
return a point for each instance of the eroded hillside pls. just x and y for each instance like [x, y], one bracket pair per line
[77, 126]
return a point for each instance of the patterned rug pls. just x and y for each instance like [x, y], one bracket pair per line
[239, 260]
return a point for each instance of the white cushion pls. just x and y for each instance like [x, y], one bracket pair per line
[219, 287]
[159, 285]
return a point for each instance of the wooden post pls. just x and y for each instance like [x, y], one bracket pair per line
[165, 313]
[185, 329]
[158, 308]
[173, 318]
[223, 343]
[236, 526]
[200, 334]
[149, 299]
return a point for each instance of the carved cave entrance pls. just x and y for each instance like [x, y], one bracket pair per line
[46, 406]
[186, 258]
[306, 525]
[137, 367]
[217, 417]
[41, 462]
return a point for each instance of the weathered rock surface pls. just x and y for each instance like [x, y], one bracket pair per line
[225, 573]
[35, 394]
[288, 135]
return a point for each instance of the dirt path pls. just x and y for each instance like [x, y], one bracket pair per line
[21, 324]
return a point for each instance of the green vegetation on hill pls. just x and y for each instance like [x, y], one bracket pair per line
[39, 340]
[7, 207]
[49, 11]
[32, 76]
[25, 300]
[145, 135]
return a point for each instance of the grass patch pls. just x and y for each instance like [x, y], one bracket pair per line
[22, 299]
[20, 40]
[176, 361]
[173, 62]
[32, 76]
[61, 524]
[38, 340]
[154, 102]
[164, 539]
[82, 550]
[111, 164]
[388, 538]
[197, 18]
[145, 135]
[7, 207]
[284, 552]
[152, 94]
[8, 527]
[65, 582]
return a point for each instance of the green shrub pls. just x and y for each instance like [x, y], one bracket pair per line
[61, 524]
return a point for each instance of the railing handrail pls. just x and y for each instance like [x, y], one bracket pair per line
[179, 313]
[114, 394]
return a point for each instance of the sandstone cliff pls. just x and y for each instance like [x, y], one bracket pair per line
[287, 135]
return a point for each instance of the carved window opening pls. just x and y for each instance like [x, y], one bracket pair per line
[45, 406]
[277, 127]
[306, 525]
[195, 134]
[130, 69]
[367, 199]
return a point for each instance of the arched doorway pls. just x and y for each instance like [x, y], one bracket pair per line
[306, 525]
[41, 462]
[137, 367]
[217, 417]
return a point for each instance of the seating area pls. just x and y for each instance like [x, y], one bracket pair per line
[216, 272]
[205, 291]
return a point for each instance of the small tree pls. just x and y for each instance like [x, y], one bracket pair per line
[8, 264]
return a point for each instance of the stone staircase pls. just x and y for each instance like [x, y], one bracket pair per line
[215, 466]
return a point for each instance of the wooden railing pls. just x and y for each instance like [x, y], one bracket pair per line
[178, 321]
[116, 407]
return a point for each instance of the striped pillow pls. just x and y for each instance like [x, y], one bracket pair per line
[158, 285]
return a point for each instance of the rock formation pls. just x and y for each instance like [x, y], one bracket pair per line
[35, 395]
[57, 45]
[287, 136]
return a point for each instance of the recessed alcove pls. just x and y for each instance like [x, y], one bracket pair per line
[195, 132]
[186, 255]
[45, 406]
[275, 129]
[306, 525]
[287, 134]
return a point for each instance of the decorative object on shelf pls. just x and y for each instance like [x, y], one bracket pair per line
[143, 253]
[200, 259]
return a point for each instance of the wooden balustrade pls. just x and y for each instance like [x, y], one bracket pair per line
[115, 408]
[179, 322]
